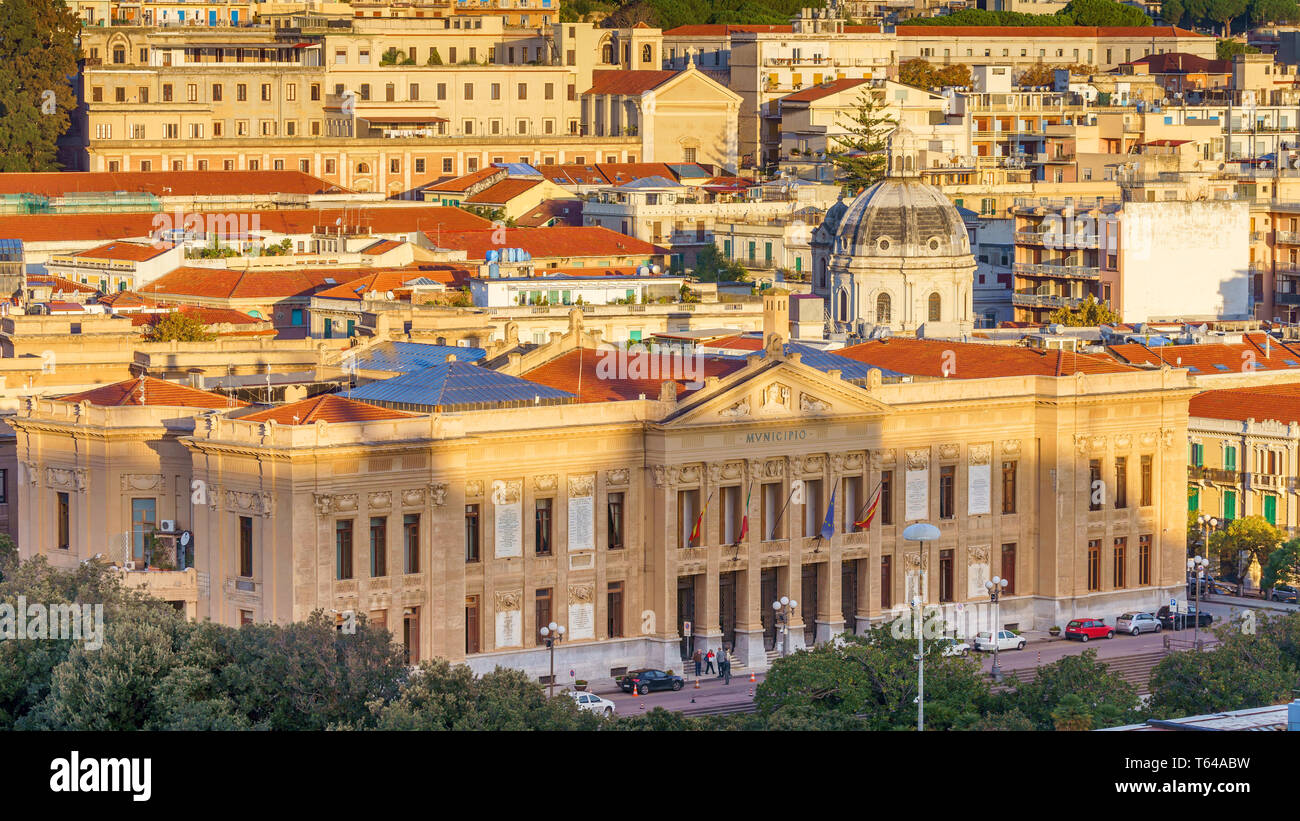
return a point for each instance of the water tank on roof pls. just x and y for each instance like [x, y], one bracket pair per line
[493, 255]
[494, 270]
[654, 269]
[527, 256]
[642, 271]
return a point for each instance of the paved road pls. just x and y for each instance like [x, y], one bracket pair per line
[712, 694]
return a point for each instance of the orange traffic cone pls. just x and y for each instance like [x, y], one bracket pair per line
[697, 683]
[751, 677]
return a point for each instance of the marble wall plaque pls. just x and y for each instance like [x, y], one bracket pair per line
[509, 530]
[509, 628]
[979, 478]
[582, 621]
[581, 529]
[918, 494]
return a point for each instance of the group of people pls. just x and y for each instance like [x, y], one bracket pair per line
[704, 663]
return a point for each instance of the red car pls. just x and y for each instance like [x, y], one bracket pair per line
[1084, 629]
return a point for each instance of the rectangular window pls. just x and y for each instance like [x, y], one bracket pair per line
[469, 91]
[886, 584]
[246, 546]
[945, 575]
[852, 503]
[542, 610]
[947, 492]
[472, 629]
[1230, 458]
[241, 92]
[1096, 488]
[615, 507]
[771, 503]
[523, 91]
[887, 497]
[542, 523]
[62, 517]
[1147, 468]
[411, 542]
[378, 547]
[291, 91]
[731, 514]
[1270, 509]
[1120, 566]
[1198, 455]
[471, 533]
[1009, 568]
[1121, 482]
[688, 509]
[1008, 487]
[1094, 564]
[1229, 504]
[4, 486]
[167, 92]
[614, 609]
[812, 508]
[1144, 559]
[143, 519]
[343, 549]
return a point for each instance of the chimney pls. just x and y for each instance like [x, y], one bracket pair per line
[776, 316]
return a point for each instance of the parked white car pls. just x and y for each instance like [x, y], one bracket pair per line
[1134, 623]
[1006, 641]
[954, 647]
[593, 703]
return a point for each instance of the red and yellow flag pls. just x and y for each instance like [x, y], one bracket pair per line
[870, 511]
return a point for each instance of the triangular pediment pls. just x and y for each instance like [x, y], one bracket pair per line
[769, 391]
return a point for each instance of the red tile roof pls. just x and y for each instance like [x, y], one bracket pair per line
[1179, 62]
[329, 407]
[620, 81]
[466, 181]
[974, 360]
[609, 173]
[1277, 402]
[206, 315]
[125, 299]
[125, 251]
[503, 192]
[1218, 357]
[564, 212]
[548, 243]
[1035, 32]
[737, 342]
[576, 372]
[112, 226]
[727, 29]
[817, 92]
[395, 280]
[62, 284]
[227, 283]
[381, 247]
[166, 183]
[155, 392]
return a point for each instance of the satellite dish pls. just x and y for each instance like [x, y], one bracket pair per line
[654, 269]
[388, 295]
[642, 271]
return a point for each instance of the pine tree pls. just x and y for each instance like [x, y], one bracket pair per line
[861, 158]
[38, 58]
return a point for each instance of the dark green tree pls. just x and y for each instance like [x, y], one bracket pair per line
[860, 154]
[1109, 700]
[712, 266]
[1104, 13]
[1224, 12]
[1088, 314]
[1283, 566]
[1172, 11]
[179, 327]
[1242, 671]
[38, 58]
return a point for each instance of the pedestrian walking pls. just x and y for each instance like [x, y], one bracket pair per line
[722, 661]
[726, 666]
[699, 661]
[708, 662]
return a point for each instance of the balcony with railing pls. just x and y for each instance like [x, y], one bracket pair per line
[1285, 237]
[1030, 299]
[1053, 269]
[1219, 475]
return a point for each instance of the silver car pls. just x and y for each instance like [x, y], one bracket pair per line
[1134, 623]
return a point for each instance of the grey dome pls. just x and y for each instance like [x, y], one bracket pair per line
[901, 217]
[835, 215]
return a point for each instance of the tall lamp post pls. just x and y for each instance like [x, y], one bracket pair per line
[553, 634]
[1197, 566]
[920, 532]
[995, 586]
[784, 608]
[1209, 524]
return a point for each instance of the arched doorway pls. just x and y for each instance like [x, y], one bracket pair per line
[842, 308]
[935, 308]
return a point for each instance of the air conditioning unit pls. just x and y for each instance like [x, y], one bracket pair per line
[130, 565]
[167, 526]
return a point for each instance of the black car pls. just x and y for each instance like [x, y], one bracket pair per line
[1283, 593]
[1183, 619]
[643, 681]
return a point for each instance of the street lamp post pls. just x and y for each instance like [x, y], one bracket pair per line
[1197, 566]
[784, 608]
[553, 634]
[995, 586]
[920, 532]
[1209, 524]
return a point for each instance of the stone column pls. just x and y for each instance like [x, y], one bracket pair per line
[749, 648]
[708, 628]
[792, 584]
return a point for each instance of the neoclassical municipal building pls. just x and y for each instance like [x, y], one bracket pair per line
[464, 505]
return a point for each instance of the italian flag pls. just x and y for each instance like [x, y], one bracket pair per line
[744, 520]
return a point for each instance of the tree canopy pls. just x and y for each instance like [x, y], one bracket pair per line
[38, 58]
[179, 327]
[712, 266]
[860, 155]
[1250, 534]
[921, 74]
[1088, 314]
[1075, 13]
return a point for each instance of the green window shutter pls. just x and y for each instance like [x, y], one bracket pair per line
[1229, 504]
[1230, 458]
[1270, 509]
[1193, 499]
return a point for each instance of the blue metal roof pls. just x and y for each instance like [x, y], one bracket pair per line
[452, 385]
[831, 361]
[403, 357]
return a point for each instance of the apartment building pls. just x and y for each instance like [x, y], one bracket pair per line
[377, 106]
[1104, 47]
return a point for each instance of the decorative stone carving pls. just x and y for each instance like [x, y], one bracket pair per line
[345, 502]
[660, 475]
[815, 464]
[918, 459]
[66, 478]
[1011, 447]
[739, 409]
[509, 599]
[413, 497]
[733, 470]
[580, 486]
[949, 451]
[854, 461]
[253, 502]
[474, 489]
[581, 593]
[979, 454]
[916, 561]
[545, 483]
[774, 468]
[1148, 439]
[324, 503]
[438, 490]
[874, 379]
[689, 475]
[776, 398]
[978, 554]
[1167, 438]
[810, 404]
[837, 463]
[715, 472]
[1123, 442]
[142, 481]
[31, 472]
[380, 499]
[507, 493]
[619, 476]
